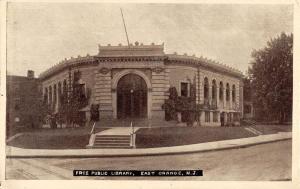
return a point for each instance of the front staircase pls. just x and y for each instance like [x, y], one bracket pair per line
[120, 133]
[112, 141]
[114, 137]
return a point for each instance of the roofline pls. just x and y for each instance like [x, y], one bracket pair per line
[185, 59]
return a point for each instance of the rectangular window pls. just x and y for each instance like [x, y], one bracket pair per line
[247, 109]
[215, 116]
[82, 89]
[184, 89]
[207, 116]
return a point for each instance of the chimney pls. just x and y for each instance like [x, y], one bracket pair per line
[30, 74]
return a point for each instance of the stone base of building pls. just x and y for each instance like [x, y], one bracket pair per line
[158, 114]
[106, 114]
[211, 124]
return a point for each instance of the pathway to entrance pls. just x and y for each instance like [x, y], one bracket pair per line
[118, 131]
[137, 122]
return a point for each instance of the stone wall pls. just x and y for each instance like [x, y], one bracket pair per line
[190, 74]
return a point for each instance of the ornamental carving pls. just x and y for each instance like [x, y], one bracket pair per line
[104, 71]
[158, 70]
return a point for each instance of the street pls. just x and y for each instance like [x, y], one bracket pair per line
[272, 161]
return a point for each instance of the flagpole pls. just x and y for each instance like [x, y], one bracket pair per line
[125, 27]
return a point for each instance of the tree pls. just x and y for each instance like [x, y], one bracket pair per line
[271, 77]
[247, 90]
[186, 105]
[72, 100]
[78, 99]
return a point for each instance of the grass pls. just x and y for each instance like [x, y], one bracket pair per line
[78, 138]
[272, 129]
[67, 138]
[173, 136]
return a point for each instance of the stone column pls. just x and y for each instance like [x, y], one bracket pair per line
[230, 98]
[224, 98]
[241, 99]
[198, 88]
[160, 84]
[59, 92]
[52, 96]
[103, 92]
[217, 96]
[57, 98]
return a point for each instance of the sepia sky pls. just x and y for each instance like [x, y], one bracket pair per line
[41, 35]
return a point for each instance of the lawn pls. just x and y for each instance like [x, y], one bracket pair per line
[78, 138]
[67, 138]
[173, 136]
[272, 129]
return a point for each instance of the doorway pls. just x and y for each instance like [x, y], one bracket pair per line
[131, 97]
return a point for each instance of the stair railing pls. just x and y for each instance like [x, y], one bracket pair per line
[132, 135]
[93, 129]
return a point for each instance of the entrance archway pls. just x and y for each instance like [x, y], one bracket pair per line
[131, 97]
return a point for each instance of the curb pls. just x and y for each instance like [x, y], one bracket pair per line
[154, 151]
[15, 136]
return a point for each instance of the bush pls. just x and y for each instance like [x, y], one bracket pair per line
[185, 105]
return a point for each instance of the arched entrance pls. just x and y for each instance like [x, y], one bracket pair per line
[131, 97]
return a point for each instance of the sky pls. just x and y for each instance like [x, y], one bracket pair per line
[39, 35]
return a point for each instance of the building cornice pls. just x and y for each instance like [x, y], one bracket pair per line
[111, 56]
[203, 62]
[129, 58]
[67, 63]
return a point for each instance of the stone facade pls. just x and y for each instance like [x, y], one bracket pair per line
[159, 71]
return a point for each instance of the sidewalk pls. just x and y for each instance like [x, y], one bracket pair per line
[14, 152]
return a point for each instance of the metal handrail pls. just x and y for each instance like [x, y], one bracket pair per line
[93, 128]
[132, 128]
[132, 135]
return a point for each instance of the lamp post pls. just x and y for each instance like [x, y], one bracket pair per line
[131, 123]
[131, 103]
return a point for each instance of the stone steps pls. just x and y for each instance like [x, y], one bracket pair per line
[112, 141]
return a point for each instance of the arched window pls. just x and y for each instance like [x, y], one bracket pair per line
[50, 94]
[233, 93]
[65, 86]
[221, 91]
[54, 93]
[206, 88]
[46, 95]
[214, 90]
[59, 89]
[227, 92]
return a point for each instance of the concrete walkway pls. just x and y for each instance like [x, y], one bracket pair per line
[14, 152]
[118, 131]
